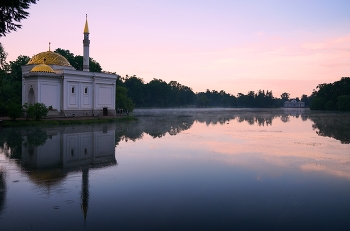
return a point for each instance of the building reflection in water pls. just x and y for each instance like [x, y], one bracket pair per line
[68, 149]
[48, 155]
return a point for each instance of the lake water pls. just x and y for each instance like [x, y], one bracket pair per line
[185, 169]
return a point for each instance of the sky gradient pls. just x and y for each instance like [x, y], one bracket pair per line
[231, 45]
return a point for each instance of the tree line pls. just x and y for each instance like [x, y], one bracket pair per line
[132, 91]
[158, 93]
[332, 96]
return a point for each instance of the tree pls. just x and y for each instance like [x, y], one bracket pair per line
[136, 89]
[3, 73]
[122, 100]
[14, 110]
[157, 93]
[12, 12]
[3, 56]
[306, 100]
[77, 60]
[15, 67]
[285, 96]
[327, 95]
[68, 55]
[11, 83]
[344, 103]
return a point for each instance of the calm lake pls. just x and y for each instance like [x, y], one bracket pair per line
[180, 169]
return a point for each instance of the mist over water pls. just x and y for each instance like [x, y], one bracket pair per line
[180, 169]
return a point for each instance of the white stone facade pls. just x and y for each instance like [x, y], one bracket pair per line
[70, 92]
[293, 104]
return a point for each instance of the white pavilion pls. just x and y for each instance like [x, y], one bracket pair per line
[50, 79]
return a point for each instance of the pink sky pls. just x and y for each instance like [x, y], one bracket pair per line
[235, 46]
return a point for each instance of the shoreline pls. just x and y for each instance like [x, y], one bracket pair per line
[6, 122]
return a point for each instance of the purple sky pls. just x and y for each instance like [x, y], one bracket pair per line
[231, 45]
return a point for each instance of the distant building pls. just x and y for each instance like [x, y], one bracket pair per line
[293, 103]
[50, 79]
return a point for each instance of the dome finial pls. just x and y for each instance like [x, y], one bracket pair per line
[49, 46]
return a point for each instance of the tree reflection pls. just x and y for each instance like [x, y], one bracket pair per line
[158, 123]
[2, 190]
[338, 127]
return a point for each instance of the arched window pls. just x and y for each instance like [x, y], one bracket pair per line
[31, 96]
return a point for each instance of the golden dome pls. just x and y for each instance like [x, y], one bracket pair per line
[49, 58]
[42, 68]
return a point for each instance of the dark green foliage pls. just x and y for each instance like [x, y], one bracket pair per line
[215, 99]
[77, 60]
[122, 100]
[136, 89]
[16, 68]
[11, 82]
[327, 95]
[285, 96]
[158, 93]
[260, 99]
[330, 106]
[344, 103]
[12, 12]
[3, 56]
[307, 100]
[37, 111]
[14, 110]
[181, 95]
[318, 103]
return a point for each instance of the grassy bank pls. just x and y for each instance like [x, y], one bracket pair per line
[64, 121]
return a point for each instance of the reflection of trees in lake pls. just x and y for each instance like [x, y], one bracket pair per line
[35, 137]
[11, 140]
[2, 190]
[155, 126]
[158, 123]
[261, 120]
[285, 118]
[336, 126]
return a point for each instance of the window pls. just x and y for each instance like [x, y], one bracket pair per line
[72, 90]
[86, 90]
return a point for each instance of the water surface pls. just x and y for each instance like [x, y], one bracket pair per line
[185, 169]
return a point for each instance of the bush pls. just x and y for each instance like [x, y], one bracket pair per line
[37, 111]
[14, 111]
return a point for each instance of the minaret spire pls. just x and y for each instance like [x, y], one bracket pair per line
[86, 47]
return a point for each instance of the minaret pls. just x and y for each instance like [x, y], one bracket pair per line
[86, 43]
